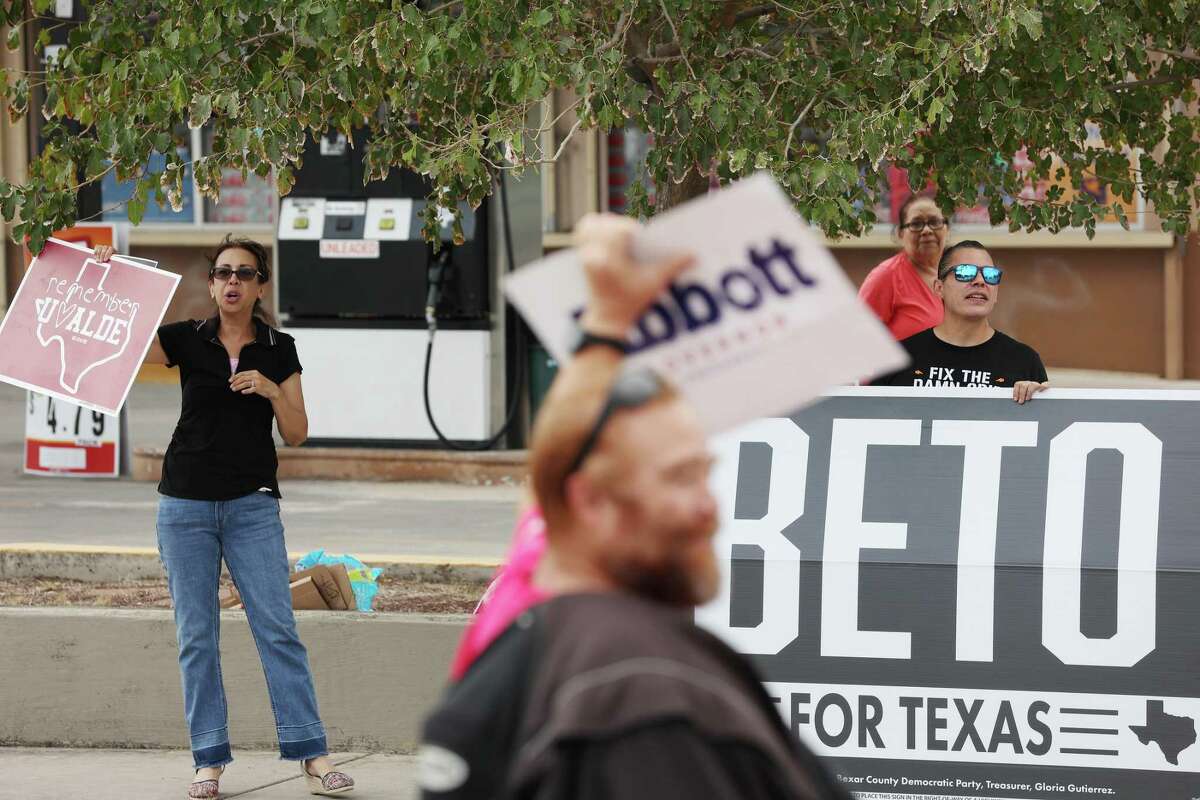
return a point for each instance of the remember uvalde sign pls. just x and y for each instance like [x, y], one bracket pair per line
[950, 595]
[79, 329]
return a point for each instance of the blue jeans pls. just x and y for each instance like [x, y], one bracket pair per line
[193, 537]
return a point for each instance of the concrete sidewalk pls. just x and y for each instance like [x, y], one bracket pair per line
[54, 774]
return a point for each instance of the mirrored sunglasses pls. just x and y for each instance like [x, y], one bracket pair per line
[965, 273]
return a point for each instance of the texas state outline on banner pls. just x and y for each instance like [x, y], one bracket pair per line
[113, 328]
[78, 329]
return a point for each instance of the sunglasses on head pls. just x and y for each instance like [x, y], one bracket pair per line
[244, 274]
[965, 273]
[632, 388]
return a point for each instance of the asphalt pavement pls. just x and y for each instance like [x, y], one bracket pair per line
[417, 519]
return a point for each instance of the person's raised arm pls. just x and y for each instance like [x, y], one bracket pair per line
[619, 292]
[156, 354]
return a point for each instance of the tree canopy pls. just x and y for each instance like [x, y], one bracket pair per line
[822, 93]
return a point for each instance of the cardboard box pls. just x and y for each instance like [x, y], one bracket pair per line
[229, 597]
[306, 596]
[330, 582]
[333, 582]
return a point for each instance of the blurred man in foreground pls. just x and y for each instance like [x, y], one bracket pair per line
[608, 689]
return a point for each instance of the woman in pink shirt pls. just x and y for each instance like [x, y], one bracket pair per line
[900, 290]
[511, 592]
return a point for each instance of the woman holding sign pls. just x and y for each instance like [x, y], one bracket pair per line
[219, 499]
[900, 289]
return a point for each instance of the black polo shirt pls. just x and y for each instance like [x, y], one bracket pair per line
[222, 447]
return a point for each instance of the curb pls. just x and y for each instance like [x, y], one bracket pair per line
[110, 678]
[491, 468]
[116, 564]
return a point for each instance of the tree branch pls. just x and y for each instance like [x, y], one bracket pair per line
[1158, 81]
[792, 128]
[753, 12]
[658, 59]
[563, 144]
[675, 32]
[619, 34]
[1192, 57]
[751, 51]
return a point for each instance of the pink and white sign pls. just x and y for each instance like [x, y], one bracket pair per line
[79, 329]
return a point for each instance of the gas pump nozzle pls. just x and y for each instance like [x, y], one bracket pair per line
[437, 274]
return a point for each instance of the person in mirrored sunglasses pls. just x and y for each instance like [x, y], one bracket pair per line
[964, 350]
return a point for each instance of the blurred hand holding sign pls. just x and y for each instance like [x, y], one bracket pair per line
[761, 325]
[78, 329]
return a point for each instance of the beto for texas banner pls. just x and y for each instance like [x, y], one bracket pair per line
[949, 595]
[78, 329]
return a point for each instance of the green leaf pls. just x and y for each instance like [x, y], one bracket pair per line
[1031, 20]
[936, 106]
[38, 234]
[542, 17]
[516, 79]
[819, 174]
[13, 42]
[200, 110]
[136, 205]
[284, 180]
[179, 96]
[934, 9]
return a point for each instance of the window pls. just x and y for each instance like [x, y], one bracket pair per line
[114, 194]
[246, 201]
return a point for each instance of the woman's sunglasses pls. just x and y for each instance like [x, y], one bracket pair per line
[965, 273]
[245, 274]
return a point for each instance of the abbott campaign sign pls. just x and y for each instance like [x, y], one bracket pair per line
[765, 298]
[78, 329]
[950, 595]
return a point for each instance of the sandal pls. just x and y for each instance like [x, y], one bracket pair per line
[330, 784]
[205, 790]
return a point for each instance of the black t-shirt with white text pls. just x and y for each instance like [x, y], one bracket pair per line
[1001, 361]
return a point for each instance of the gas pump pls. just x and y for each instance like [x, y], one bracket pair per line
[353, 282]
